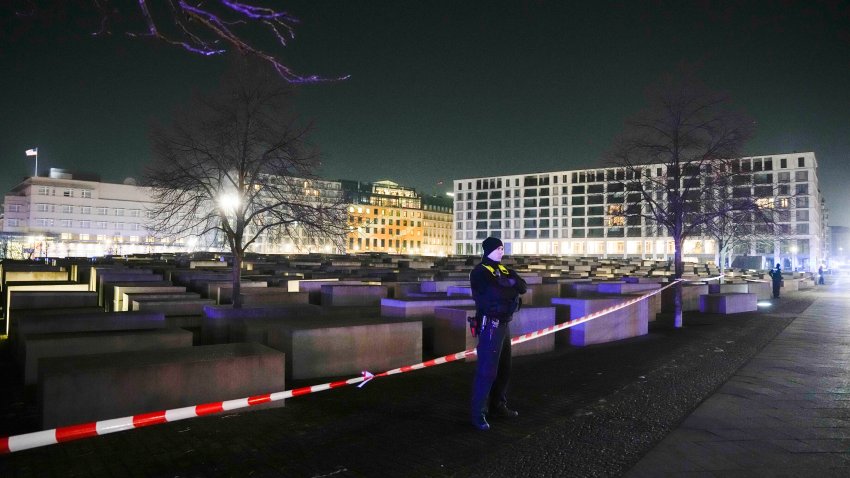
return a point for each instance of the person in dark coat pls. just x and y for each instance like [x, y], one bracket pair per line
[776, 277]
[496, 290]
[820, 275]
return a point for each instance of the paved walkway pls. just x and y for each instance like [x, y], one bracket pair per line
[785, 413]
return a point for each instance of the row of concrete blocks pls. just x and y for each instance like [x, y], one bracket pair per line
[309, 341]
[94, 366]
[319, 349]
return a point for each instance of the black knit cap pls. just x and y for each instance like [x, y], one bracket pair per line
[490, 244]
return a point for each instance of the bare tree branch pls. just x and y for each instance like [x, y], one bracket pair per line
[201, 27]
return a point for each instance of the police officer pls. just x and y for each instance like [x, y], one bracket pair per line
[496, 290]
[776, 278]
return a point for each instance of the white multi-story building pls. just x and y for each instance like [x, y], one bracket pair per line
[64, 214]
[580, 212]
[68, 214]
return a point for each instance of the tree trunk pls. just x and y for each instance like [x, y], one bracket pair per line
[679, 269]
[722, 264]
[237, 279]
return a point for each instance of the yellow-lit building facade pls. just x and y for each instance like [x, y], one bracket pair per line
[437, 226]
[386, 217]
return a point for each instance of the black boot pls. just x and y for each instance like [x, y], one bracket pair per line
[501, 410]
[479, 422]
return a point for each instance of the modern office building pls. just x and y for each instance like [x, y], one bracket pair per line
[584, 213]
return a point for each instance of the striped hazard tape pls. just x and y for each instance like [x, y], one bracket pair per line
[27, 441]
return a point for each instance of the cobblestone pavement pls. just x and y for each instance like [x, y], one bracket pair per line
[593, 411]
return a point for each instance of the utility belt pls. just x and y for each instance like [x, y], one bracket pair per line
[479, 323]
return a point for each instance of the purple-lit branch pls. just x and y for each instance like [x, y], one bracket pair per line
[201, 26]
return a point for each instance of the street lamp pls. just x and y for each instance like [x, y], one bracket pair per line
[228, 202]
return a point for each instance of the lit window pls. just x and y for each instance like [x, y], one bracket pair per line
[765, 203]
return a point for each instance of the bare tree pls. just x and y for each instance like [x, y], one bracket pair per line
[200, 27]
[686, 131]
[745, 208]
[236, 165]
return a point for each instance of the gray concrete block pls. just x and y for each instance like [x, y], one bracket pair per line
[66, 321]
[347, 348]
[419, 307]
[762, 289]
[171, 307]
[272, 296]
[121, 294]
[335, 295]
[40, 346]
[96, 387]
[223, 324]
[631, 321]
[728, 303]
[690, 297]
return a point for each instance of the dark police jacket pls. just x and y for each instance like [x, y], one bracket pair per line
[496, 289]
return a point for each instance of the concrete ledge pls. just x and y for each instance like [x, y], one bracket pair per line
[459, 290]
[418, 307]
[740, 288]
[626, 287]
[83, 322]
[40, 346]
[119, 293]
[341, 295]
[727, 303]
[272, 296]
[223, 324]
[171, 307]
[96, 387]
[113, 291]
[334, 349]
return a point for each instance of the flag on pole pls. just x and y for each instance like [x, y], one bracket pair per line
[32, 152]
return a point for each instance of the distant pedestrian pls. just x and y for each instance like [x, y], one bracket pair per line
[820, 275]
[776, 277]
[496, 290]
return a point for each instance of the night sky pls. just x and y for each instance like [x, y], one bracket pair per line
[446, 89]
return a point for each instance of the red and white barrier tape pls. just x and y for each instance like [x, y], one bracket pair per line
[85, 430]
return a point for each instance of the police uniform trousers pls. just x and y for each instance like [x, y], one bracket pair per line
[494, 367]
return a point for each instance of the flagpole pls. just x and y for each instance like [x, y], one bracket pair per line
[36, 162]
